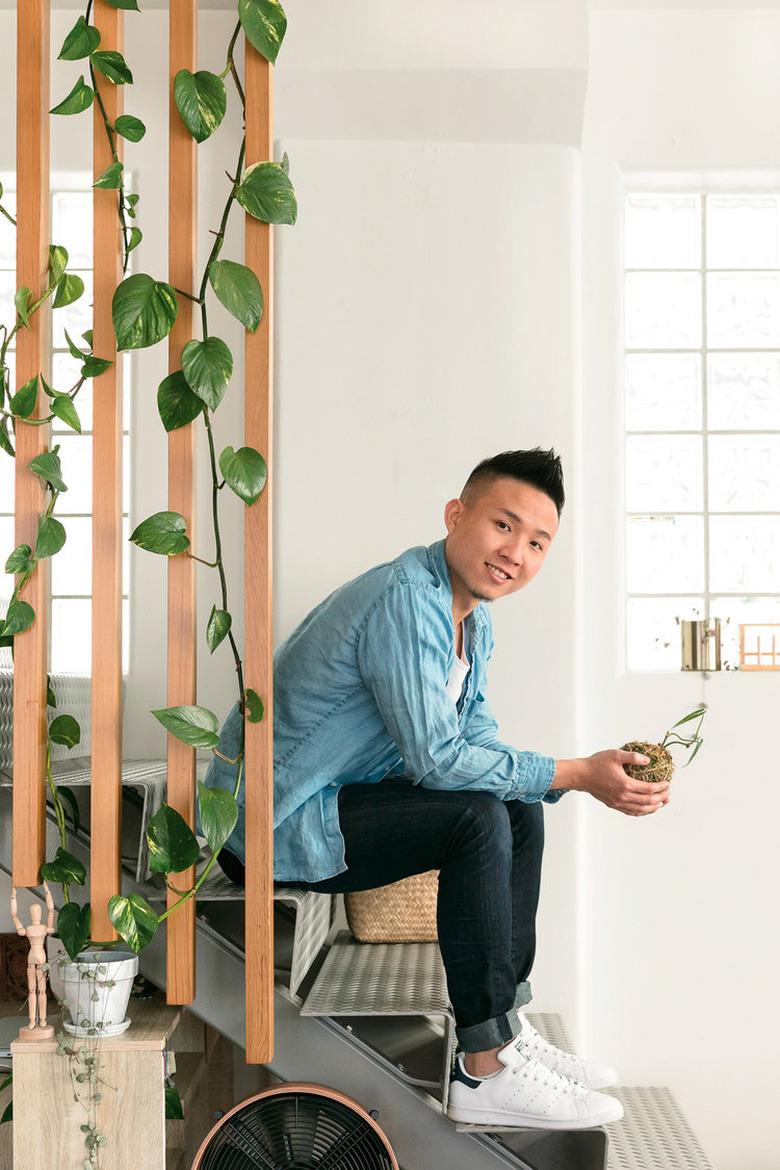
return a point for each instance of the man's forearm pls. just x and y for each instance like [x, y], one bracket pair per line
[569, 774]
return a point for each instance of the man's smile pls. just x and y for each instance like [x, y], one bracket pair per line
[499, 574]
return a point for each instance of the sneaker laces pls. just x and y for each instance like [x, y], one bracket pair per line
[536, 1042]
[547, 1077]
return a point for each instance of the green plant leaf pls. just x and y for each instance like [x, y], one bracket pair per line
[65, 730]
[88, 337]
[239, 290]
[254, 706]
[174, 1110]
[58, 262]
[68, 290]
[62, 408]
[79, 99]
[125, 5]
[132, 199]
[20, 560]
[77, 353]
[196, 726]
[69, 796]
[22, 298]
[144, 311]
[133, 919]
[48, 391]
[8, 1113]
[201, 101]
[697, 714]
[111, 179]
[245, 472]
[82, 40]
[112, 65]
[136, 235]
[93, 366]
[267, 194]
[51, 700]
[65, 869]
[23, 402]
[264, 24]
[48, 467]
[176, 402]
[51, 537]
[172, 843]
[164, 533]
[218, 813]
[218, 627]
[5, 442]
[73, 923]
[208, 367]
[129, 127]
[19, 617]
[6, 1081]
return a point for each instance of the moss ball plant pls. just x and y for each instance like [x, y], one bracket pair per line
[662, 766]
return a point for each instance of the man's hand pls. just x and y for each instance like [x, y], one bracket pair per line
[603, 776]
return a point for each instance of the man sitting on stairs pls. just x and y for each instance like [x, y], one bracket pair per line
[388, 763]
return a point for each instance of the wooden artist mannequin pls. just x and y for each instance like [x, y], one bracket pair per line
[35, 934]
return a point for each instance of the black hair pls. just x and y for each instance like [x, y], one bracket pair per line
[541, 469]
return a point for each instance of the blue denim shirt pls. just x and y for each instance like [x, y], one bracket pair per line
[359, 695]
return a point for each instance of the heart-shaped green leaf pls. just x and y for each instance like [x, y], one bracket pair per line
[82, 40]
[136, 235]
[62, 408]
[201, 101]
[69, 796]
[208, 367]
[218, 813]
[68, 290]
[65, 730]
[65, 869]
[254, 706]
[174, 1110]
[239, 290]
[176, 402]
[23, 402]
[78, 354]
[245, 472]
[51, 700]
[51, 537]
[264, 24]
[111, 179]
[172, 843]
[20, 560]
[267, 194]
[144, 311]
[79, 99]
[19, 617]
[87, 335]
[58, 262]
[73, 927]
[48, 467]
[129, 127]
[218, 627]
[196, 726]
[93, 366]
[5, 442]
[113, 66]
[22, 298]
[133, 919]
[164, 533]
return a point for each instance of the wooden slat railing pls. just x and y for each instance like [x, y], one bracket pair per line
[258, 433]
[106, 512]
[182, 634]
[32, 240]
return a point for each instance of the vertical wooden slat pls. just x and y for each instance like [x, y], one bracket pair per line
[182, 657]
[32, 239]
[106, 512]
[258, 401]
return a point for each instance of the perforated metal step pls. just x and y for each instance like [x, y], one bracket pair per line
[654, 1134]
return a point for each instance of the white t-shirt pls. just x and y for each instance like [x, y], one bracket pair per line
[460, 669]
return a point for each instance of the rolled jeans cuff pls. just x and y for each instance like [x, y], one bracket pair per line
[523, 994]
[493, 1033]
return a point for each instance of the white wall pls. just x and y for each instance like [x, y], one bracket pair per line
[676, 909]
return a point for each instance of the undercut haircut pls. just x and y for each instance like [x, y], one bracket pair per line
[541, 469]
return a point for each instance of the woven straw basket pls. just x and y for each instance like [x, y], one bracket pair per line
[402, 912]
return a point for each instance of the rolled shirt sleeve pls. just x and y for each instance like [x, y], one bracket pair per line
[404, 652]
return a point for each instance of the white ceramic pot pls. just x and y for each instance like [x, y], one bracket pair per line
[95, 989]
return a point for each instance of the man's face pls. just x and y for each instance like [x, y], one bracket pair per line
[498, 539]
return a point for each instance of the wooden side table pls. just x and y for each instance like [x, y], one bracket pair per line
[47, 1119]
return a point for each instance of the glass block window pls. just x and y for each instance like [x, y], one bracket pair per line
[71, 568]
[702, 416]
[702, 404]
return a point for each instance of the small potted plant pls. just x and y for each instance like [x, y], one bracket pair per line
[662, 766]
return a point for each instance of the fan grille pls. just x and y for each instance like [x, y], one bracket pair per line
[296, 1131]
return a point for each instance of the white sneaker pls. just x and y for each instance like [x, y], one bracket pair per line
[587, 1072]
[526, 1093]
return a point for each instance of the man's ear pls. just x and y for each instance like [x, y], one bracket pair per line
[453, 510]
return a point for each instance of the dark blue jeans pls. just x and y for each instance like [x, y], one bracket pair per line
[489, 856]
